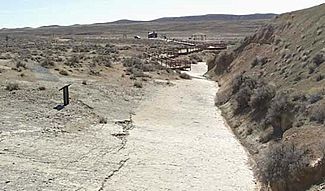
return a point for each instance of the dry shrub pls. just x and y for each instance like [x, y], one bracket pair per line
[242, 99]
[42, 88]
[259, 61]
[12, 86]
[20, 64]
[314, 98]
[222, 62]
[261, 98]
[133, 62]
[280, 114]
[318, 113]
[318, 59]
[319, 77]
[47, 63]
[195, 58]
[242, 81]
[74, 61]
[102, 60]
[185, 76]
[94, 72]
[281, 163]
[102, 120]
[63, 73]
[138, 84]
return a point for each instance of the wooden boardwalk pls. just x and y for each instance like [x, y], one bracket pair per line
[169, 58]
[179, 64]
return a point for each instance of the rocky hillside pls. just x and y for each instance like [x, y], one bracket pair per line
[272, 93]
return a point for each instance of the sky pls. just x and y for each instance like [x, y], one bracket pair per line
[35, 13]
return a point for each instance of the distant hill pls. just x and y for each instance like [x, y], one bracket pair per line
[215, 26]
[124, 21]
[212, 17]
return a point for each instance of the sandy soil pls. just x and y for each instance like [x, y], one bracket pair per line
[181, 142]
[45, 149]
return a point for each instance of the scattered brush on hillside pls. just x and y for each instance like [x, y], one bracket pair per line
[220, 63]
[47, 63]
[74, 61]
[272, 90]
[102, 61]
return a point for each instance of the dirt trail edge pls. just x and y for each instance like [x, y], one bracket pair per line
[182, 143]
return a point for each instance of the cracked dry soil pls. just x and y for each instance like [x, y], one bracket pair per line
[178, 141]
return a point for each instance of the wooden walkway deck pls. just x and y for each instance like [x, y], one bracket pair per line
[169, 58]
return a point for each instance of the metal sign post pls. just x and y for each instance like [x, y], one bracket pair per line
[65, 94]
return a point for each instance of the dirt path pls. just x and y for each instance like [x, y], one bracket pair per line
[181, 143]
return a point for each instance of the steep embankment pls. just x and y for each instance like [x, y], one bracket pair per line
[272, 93]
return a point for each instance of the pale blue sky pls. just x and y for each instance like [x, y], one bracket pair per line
[34, 13]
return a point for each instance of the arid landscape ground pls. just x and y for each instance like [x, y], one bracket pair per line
[135, 124]
[108, 138]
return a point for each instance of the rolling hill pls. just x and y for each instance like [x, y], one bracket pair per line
[215, 26]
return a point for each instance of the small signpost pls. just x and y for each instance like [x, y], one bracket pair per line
[65, 94]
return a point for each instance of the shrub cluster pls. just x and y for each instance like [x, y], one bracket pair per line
[318, 113]
[47, 63]
[133, 62]
[280, 114]
[20, 64]
[222, 62]
[318, 59]
[280, 163]
[102, 61]
[259, 61]
[261, 98]
[275, 108]
[74, 61]
[12, 86]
